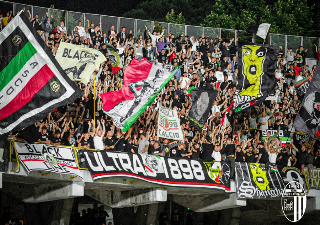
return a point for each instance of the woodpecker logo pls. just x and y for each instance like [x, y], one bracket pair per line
[294, 201]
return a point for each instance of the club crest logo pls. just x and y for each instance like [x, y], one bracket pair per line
[49, 159]
[294, 201]
[55, 86]
[16, 40]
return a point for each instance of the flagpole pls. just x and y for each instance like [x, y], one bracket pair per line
[94, 100]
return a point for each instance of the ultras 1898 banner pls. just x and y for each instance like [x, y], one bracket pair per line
[160, 170]
[256, 180]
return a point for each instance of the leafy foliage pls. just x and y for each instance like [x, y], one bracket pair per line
[171, 17]
[158, 27]
[294, 17]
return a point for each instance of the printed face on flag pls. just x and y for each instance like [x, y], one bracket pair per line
[253, 58]
[202, 105]
[259, 175]
[32, 83]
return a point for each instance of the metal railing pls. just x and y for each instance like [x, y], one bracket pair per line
[71, 19]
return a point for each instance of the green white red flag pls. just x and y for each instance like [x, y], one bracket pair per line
[32, 83]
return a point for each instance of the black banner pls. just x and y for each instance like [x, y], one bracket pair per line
[308, 117]
[177, 172]
[255, 180]
[301, 138]
[294, 174]
[256, 79]
[202, 100]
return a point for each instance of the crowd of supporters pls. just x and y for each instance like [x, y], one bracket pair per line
[205, 62]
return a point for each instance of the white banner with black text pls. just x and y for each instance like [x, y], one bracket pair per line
[47, 158]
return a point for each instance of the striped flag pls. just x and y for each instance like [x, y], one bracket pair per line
[32, 83]
[142, 82]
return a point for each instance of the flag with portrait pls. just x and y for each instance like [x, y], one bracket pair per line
[202, 100]
[256, 77]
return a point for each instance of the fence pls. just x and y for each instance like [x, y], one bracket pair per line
[138, 26]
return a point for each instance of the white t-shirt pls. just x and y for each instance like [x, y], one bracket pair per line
[215, 109]
[263, 120]
[98, 142]
[185, 81]
[216, 155]
[219, 76]
[194, 46]
[142, 144]
[272, 157]
[81, 31]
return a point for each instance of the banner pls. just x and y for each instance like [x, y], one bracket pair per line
[178, 172]
[79, 62]
[32, 83]
[294, 174]
[202, 100]
[301, 86]
[142, 83]
[255, 180]
[47, 158]
[256, 79]
[315, 179]
[283, 135]
[169, 124]
[308, 117]
[301, 138]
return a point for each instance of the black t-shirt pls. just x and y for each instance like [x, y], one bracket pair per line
[302, 157]
[150, 149]
[239, 156]
[207, 152]
[264, 155]
[162, 58]
[155, 151]
[56, 140]
[109, 142]
[250, 157]
[174, 153]
[177, 103]
[127, 148]
[284, 160]
[84, 142]
[229, 149]
[119, 146]
[195, 153]
[43, 137]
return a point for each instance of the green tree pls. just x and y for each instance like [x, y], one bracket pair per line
[292, 17]
[157, 27]
[58, 15]
[171, 17]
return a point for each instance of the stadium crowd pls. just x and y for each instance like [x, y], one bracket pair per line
[209, 62]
